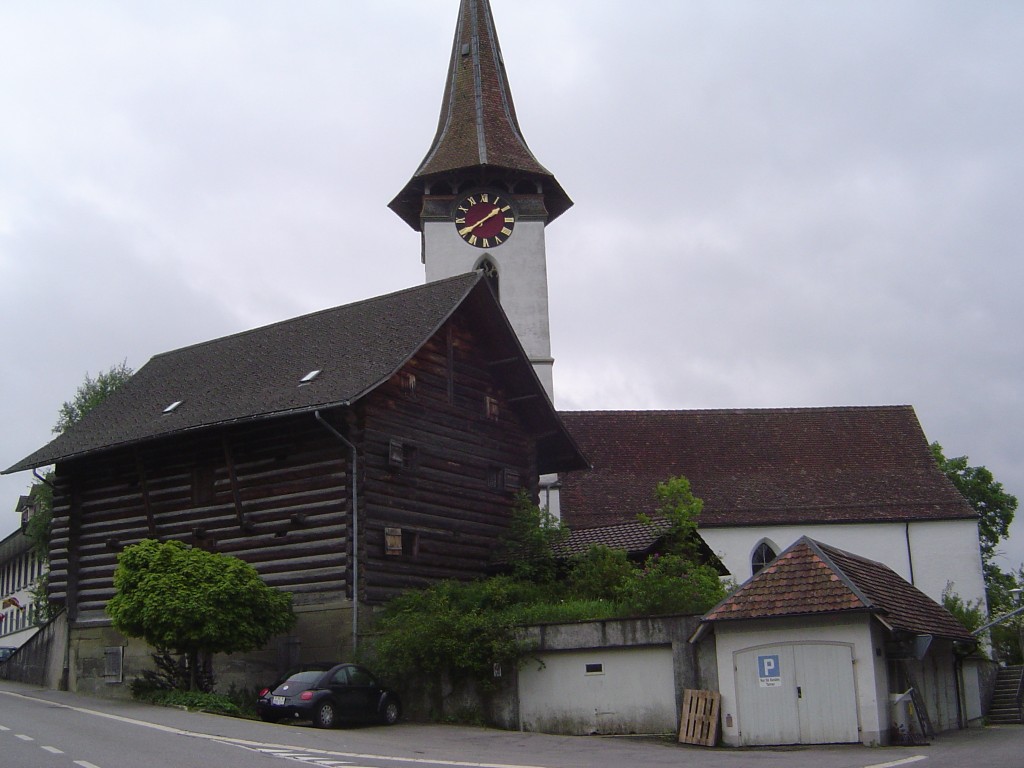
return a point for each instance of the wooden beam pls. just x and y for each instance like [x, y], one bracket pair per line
[233, 477]
[141, 469]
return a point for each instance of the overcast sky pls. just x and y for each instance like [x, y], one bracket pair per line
[778, 203]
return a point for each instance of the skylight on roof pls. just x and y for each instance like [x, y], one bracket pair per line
[173, 406]
[309, 377]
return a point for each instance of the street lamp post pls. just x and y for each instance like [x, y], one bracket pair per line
[1020, 624]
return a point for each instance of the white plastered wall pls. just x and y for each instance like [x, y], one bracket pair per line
[522, 278]
[929, 554]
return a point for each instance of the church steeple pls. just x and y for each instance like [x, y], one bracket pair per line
[480, 198]
[478, 140]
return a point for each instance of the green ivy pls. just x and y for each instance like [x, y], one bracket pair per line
[465, 628]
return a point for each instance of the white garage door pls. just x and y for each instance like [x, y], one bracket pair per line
[801, 693]
[622, 690]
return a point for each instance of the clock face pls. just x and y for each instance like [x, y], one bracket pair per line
[484, 219]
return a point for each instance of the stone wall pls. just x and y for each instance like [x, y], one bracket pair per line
[40, 661]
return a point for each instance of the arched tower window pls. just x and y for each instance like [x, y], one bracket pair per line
[763, 554]
[490, 270]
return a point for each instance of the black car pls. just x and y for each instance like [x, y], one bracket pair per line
[341, 693]
[6, 652]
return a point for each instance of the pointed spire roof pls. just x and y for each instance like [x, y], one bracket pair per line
[477, 129]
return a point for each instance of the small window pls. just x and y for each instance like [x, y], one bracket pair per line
[491, 409]
[763, 555]
[503, 479]
[407, 382]
[401, 455]
[393, 542]
[113, 664]
[512, 481]
[396, 454]
[359, 676]
[594, 669]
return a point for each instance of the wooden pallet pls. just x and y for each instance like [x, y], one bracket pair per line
[699, 721]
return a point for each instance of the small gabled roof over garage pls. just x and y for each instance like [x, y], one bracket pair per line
[811, 578]
[317, 361]
[775, 466]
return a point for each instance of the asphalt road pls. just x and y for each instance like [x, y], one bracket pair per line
[51, 729]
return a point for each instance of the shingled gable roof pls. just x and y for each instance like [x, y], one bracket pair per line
[760, 466]
[477, 128]
[812, 578]
[256, 374]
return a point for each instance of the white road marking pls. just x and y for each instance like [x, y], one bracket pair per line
[257, 745]
[894, 763]
[4, 728]
[85, 764]
[23, 737]
[54, 750]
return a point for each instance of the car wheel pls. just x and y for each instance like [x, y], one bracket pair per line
[391, 712]
[325, 715]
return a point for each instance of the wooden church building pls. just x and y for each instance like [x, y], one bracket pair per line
[348, 455]
[358, 451]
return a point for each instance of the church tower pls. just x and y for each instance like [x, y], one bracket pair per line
[480, 199]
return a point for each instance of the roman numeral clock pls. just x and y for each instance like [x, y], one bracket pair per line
[484, 220]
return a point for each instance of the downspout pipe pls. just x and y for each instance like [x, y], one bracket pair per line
[40, 478]
[355, 527]
[910, 551]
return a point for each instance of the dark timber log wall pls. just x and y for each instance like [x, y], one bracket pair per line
[442, 452]
[273, 493]
[447, 499]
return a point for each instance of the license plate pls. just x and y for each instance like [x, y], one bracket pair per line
[277, 701]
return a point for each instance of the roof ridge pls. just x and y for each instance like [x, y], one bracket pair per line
[426, 287]
[792, 409]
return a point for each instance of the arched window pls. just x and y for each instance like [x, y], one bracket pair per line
[490, 270]
[763, 554]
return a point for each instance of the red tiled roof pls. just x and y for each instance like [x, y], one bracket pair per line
[760, 466]
[812, 578]
[904, 606]
[634, 537]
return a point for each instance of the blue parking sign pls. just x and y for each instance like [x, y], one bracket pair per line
[769, 673]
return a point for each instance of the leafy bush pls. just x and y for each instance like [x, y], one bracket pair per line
[464, 628]
[671, 584]
[215, 703]
[599, 573]
[194, 602]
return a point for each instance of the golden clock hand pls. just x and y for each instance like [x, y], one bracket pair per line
[467, 229]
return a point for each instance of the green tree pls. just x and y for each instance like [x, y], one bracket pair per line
[529, 545]
[995, 508]
[678, 506]
[195, 602]
[91, 393]
[994, 505]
